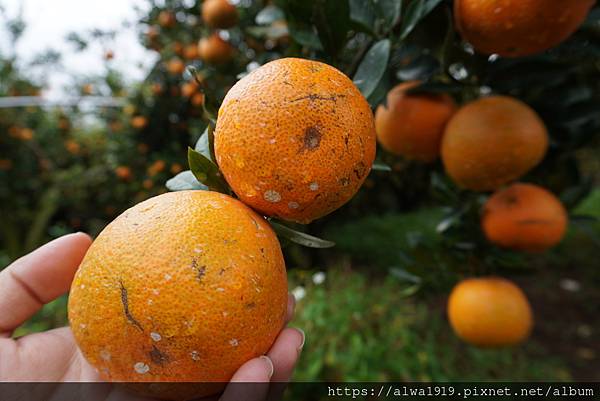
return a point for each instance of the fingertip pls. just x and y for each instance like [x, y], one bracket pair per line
[256, 370]
[269, 365]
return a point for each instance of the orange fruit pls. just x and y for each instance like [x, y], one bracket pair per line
[123, 172]
[190, 52]
[214, 50]
[156, 89]
[515, 28]
[412, 125]
[524, 217]
[6, 164]
[72, 147]
[156, 167]
[219, 14]
[492, 141]
[188, 89]
[143, 148]
[176, 168]
[87, 89]
[147, 184]
[197, 99]
[295, 139]
[175, 66]
[166, 19]
[489, 312]
[183, 287]
[139, 122]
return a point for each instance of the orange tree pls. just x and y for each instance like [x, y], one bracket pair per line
[380, 45]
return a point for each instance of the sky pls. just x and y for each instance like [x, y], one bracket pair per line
[49, 22]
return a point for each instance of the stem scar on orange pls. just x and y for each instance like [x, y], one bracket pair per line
[489, 312]
[524, 217]
[183, 287]
[295, 139]
[491, 142]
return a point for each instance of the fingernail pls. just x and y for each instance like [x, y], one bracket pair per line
[269, 364]
[303, 339]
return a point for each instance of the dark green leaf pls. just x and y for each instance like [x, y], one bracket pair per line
[363, 13]
[388, 12]
[305, 36]
[206, 171]
[185, 181]
[415, 12]
[332, 20]
[300, 237]
[372, 68]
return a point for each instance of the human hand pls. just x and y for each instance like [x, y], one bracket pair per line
[52, 356]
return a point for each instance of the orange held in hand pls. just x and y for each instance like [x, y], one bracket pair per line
[515, 28]
[412, 125]
[491, 142]
[524, 217]
[489, 312]
[295, 139]
[184, 287]
[219, 14]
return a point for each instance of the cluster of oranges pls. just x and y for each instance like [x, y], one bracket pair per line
[486, 145]
[193, 283]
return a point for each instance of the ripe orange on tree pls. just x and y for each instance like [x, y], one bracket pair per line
[489, 312]
[295, 139]
[188, 88]
[412, 125]
[214, 50]
[156, 167]
[6, 164]
[491, 142]
[524, 217]
[515, 28]
[197, 99]
[190, 52]
[124, 173]
[166, 19]
[185, 286]
[139, 122]
[219, 14]
[175, 66]
[176, 168]
[72, 147]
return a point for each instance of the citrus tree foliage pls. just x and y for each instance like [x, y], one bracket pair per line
[133, 151]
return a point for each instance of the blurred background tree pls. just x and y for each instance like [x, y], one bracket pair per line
[372, 306]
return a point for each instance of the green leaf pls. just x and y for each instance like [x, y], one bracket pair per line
[300, 237]
[185, 181]
[373, 67]
[363, 13]
[415, 12]
[332, 20]
[380, 166]
[305, 36]
[268, 15]
[389, 12]
[205, 144]
[206, 172]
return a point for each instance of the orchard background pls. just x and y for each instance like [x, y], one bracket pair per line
[373, 307]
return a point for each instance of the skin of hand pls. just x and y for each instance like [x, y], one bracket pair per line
[52, 356]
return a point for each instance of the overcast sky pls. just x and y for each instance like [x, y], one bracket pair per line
[48, 23]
